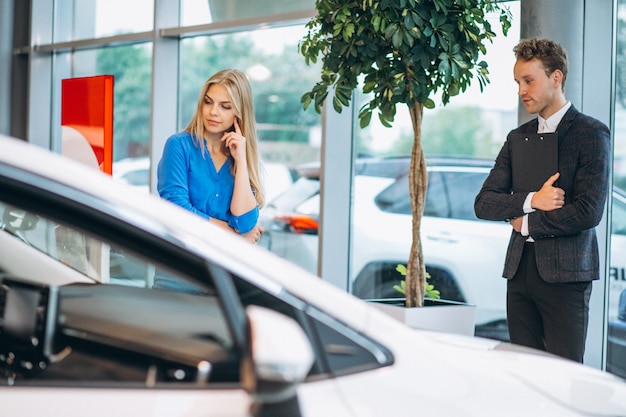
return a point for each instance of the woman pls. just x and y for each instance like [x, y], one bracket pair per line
[212, 167]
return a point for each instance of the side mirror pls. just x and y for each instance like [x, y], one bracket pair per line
[282, 357]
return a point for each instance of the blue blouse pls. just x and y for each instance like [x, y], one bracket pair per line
[189, 179]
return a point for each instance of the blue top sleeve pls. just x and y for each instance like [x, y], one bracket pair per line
[189, 179]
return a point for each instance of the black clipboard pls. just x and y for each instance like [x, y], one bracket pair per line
[534, 159]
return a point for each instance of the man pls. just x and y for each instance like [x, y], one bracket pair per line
[553, 251]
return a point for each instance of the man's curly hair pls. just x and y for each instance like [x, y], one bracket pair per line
[551, 54]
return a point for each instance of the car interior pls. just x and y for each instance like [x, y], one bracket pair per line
[111, 333]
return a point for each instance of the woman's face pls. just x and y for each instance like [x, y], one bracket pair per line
[217, 110]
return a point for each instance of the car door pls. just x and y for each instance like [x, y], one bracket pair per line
[52, 240]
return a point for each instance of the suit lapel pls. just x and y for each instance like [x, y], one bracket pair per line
[566, 122]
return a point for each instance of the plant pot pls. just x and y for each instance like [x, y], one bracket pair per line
[438, 315]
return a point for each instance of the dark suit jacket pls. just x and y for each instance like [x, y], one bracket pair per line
[566, 246]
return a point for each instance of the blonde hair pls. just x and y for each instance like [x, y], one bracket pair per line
[238, 87]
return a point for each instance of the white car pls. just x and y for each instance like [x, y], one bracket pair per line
[463, 255]
[76, 341]
[134, 172]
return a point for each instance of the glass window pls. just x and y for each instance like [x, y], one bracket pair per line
[131, 67]
[278, 76]
[288, 135]
[616, 340]
[89, 19]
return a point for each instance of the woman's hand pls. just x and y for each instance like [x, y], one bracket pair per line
[254, 235]
[236, 143]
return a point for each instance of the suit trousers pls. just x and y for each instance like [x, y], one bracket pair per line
[546, 316]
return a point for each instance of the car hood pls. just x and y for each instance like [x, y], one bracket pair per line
[495, 373]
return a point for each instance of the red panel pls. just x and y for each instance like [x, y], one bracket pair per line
[87, 106]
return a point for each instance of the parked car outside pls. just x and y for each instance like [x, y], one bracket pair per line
[74, 342]
[463, 255]
[134, 172]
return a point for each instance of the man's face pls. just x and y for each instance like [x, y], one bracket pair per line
[539, 92]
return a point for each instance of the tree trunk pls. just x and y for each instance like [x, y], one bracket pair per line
[415, 279]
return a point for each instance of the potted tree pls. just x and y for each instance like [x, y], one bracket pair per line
[402, 52]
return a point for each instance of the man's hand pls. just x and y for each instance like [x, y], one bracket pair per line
[549, 197]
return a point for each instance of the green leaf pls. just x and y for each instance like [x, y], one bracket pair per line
[365, 118]
[348, 31]
[306, 100]
[337, 104]
[376, 22]
[396, 39]
[401, 288]
[390, 31]
[384, 120]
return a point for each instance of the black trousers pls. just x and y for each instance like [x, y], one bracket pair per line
[544, 316]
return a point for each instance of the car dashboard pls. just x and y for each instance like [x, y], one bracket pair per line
[100, 334]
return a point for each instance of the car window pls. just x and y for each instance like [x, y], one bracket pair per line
[461, 189]
[450, 195]
[437, 197]
[124, 330]
[339, 349]
[395, 198]
[303, 189]
[98, 260]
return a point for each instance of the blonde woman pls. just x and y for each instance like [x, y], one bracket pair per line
[212, 167]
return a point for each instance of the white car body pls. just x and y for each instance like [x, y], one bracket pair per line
[430, 373]
[134, 172]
